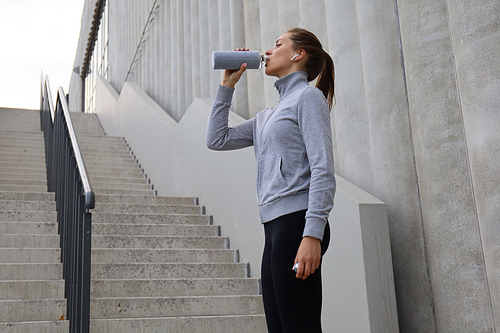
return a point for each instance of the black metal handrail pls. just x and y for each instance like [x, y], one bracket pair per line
[67, 177]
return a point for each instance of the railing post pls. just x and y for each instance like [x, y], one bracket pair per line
[86, 274]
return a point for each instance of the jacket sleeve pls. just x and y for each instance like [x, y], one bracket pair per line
[315, 128]
[219, 135]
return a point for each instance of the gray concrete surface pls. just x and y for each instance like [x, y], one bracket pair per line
[415, 123]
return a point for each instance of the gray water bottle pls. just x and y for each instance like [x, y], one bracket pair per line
[234, 59]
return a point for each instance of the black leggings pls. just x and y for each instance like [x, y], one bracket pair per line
[291, 304]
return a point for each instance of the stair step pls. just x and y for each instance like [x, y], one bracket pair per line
[23, 158]
[103, 143]
[123, 181]
[150, 255]
[23, 151]
[29, 228]
[148, 200]
[23, 188]
[23, 176]
[37, 143]
[178, 219]
[148, 229]
[34, 271]
[31, 289]
[28, 196]
[11, 216]
[205, 324]
[126, 191]
[174, 287]
[19, 205]
[18, 181]
[122, 307]
[30, 241]
[105, 152]
[133, 173]
[54, 326]
[19, 133]
[146, 209]
[110, 159]
[30, 255]
[32, 309]
[145, 242]
[168, 270]
[24, 170]
[121, 186]
[105, 166]
[17, 165]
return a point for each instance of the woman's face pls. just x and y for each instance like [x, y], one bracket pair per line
[279, 63]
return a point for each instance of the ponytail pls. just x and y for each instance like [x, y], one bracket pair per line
[318, 62]
[326, 80]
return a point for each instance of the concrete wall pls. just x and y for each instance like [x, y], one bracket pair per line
[358, 285]
[415, 124]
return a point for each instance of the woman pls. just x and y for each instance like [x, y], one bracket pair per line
[295, 178]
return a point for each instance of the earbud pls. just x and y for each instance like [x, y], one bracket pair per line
[295, 56]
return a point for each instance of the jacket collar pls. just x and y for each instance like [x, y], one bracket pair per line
[290, 82]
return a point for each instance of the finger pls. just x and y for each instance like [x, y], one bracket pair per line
[307, 272]
[300, 271]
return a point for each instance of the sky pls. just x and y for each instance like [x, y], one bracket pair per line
[36, 36]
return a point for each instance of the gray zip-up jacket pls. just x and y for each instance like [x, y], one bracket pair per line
[293, 147]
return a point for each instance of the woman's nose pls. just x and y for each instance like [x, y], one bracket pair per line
[268, 52]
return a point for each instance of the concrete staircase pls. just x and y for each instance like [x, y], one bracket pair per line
[158, 263]
[31, 284]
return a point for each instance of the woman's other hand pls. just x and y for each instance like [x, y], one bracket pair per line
[308, 257]
[232, 76]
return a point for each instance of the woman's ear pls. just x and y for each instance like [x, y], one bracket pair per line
[301, 53]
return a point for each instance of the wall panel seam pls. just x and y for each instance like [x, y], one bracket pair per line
[452, 42]
[412, 146]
